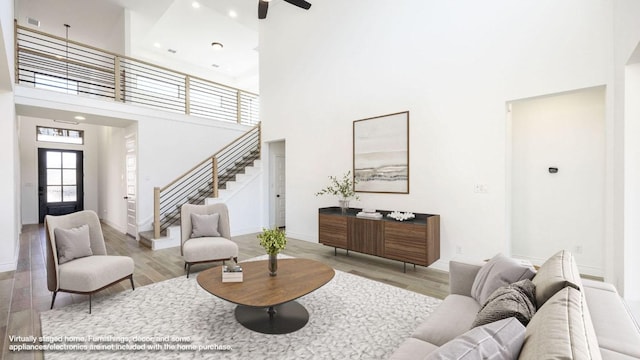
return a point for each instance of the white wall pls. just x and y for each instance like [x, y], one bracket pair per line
[29, 163]
[632, 179]
[111, 177]
[9, 195]
[551, 212]
[7, 71]
[453, 65]
[619, 260]
[245, 212]
[9, 182]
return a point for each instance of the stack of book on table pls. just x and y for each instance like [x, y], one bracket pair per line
[369, 214]
[232, 273]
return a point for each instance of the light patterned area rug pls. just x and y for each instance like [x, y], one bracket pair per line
[350, 318]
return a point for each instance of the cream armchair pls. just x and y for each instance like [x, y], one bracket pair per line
[206, 234]
[77, 260]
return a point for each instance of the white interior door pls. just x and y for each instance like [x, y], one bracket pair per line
[280, 186]
[131, 159]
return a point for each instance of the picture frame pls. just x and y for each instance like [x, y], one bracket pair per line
[381, 154]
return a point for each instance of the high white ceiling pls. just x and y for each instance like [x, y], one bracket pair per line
[154, 26]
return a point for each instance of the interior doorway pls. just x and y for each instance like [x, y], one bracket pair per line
[131, 177]
[277, 186]
[557, 177]
[60, 182]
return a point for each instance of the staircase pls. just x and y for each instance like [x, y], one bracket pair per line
[212, 180]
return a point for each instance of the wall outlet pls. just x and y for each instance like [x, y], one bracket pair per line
[480, 188]
[459, 250]
[579, 249]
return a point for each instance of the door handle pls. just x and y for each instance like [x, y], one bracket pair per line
[126, 197]
[278, 195]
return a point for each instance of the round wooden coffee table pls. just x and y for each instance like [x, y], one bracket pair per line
[266, 303]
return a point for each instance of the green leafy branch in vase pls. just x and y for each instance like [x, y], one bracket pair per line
[343, 188]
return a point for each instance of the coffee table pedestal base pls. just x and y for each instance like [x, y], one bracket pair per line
[280, 319]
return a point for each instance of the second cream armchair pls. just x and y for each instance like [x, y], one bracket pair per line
[206, 235]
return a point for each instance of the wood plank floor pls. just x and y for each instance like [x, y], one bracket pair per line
[24, 294]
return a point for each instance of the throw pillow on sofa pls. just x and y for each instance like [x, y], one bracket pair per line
[499, 271]
[558, 272]
[498, 340]
[561, 329]
[514, 300]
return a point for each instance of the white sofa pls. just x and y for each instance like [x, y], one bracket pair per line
[579, 319]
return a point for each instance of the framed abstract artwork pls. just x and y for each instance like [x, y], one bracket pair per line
[381, 154]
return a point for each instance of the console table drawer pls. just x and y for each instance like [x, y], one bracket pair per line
[406, 242]
[333, 230]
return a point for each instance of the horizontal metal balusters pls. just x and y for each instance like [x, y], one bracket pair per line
[197, 184]
[54, 63]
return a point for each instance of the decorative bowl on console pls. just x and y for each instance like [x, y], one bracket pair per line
[401, 216]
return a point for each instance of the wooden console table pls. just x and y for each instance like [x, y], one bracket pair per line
[415, 241]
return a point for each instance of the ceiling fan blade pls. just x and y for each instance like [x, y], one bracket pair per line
[262, 9]
[300, 3]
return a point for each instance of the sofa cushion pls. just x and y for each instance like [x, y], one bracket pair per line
[204, 225]
[515, 300]
[453, 317]
[497, 340]
[613, 323]
[72, 243]
[558, 271]
[560, 330]
[499, 271]
[413, 349]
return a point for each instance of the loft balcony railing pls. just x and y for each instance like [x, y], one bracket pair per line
[54, 63]
[204, 180]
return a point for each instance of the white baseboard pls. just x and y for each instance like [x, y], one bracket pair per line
[113, 225]
[301, 236]
[584, 269]
[440, 264]
[246, 231]
[12, 266]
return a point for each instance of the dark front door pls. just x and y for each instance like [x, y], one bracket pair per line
[60, 182]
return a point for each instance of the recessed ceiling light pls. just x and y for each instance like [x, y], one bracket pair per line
[217, 45]
[195, 5]
[80, 117]
[233, 14]
[157, 44]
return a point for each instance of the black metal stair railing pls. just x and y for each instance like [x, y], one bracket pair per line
[205, 179]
